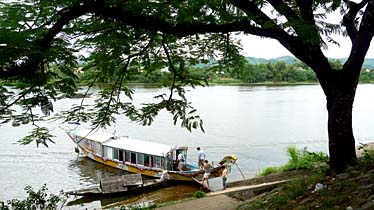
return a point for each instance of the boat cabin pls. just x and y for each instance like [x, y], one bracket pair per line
[129, 151]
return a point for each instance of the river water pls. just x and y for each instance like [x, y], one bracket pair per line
[257, 123]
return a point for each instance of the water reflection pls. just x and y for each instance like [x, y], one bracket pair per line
[91, 172]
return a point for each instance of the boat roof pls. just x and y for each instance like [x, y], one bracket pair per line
[126, 143]
[94, 135]
[140, 146]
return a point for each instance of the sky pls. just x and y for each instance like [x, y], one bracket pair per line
[254, 46]
[258, 47]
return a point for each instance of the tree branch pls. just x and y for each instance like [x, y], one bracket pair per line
[268, 28]
[350, 17]
[255, 14]
[137, 21]
[362, 39]
[31, 64]
[286, 11]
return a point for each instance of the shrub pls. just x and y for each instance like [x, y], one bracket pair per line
[367, 159]
[299, 159]
[35, 200]
[199, 194]
[270, 170]
[303, 159]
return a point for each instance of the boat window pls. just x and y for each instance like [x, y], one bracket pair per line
[133, 157]
[156, 161]
[140, 159]
[85, 142]
[97, 148]
[108, 152]
[153, 161]
[91, 144]
[115, 154]
[127, 156]
[120, 155]
[146, 160]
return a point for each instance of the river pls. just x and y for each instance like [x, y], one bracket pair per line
[257, 123]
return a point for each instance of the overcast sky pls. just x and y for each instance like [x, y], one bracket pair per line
[258, 47]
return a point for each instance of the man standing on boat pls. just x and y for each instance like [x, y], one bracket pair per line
[168, 161]
[181, 157]
[200, 158]
[181, 161]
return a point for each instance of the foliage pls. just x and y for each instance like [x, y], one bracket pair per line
[300, 159]
[40, 135]
[270, 170]
[199, 194]
[367, 160]
[336, 194]
[280, 198]
[42, 44]
[303, 159]
[36, 200]
[265, 71]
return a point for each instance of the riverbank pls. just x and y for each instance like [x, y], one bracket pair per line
[351, 190]
[299, 189]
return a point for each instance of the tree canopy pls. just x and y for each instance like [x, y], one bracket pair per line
[125, 36]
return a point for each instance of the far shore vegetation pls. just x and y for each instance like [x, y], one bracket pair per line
[246, 73]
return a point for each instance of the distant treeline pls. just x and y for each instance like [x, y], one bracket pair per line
[240, 71]
[274, 72]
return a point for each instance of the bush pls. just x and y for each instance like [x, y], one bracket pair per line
[303, 159]
[38, 200]
[299, 159]
[199, 194]
[270, 170]
[367, 159]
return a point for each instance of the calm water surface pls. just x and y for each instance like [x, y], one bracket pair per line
[257, 123]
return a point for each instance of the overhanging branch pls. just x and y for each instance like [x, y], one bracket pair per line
[350, 17]
[33, 61]
[361, 39]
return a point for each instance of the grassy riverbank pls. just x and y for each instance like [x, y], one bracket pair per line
[311, 186]
[353, 189]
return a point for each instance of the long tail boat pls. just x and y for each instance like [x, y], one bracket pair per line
[142, 157]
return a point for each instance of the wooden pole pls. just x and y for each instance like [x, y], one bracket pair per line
[240, 171]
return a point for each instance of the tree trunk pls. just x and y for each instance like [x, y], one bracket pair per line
[341, 139]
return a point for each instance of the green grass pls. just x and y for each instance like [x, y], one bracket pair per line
[298, 193]
[300, 159]
[281, 199]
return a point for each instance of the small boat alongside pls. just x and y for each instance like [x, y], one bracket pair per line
[118, 184]
[141, 157]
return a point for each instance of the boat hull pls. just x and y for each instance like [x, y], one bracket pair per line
[148, 171]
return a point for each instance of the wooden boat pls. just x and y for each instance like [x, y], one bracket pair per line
[139, 156]
[118, 184]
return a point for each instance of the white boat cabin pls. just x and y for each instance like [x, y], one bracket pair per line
[130, 151]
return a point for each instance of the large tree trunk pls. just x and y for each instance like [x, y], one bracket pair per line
[341, 139]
